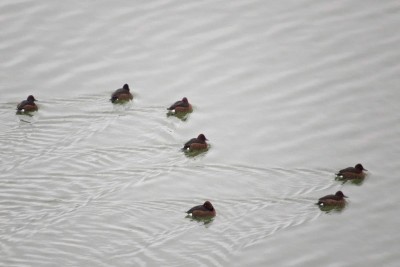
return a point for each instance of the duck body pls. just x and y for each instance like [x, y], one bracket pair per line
[122, 94]
[196, 143]
[333, 200]
[28, 105]
[203, 211]
[181, 106]
[356, 172]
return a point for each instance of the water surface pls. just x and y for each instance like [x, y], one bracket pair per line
[287, 93]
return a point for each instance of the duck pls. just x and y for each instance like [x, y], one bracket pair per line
[355, 172]
[196, 143]
[202, 211]
[182, 106]
[122, 94]
[333, 200]
[28, 105]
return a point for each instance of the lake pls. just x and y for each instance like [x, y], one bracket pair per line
[287, 92]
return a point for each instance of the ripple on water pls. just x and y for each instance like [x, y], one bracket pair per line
[114, 204]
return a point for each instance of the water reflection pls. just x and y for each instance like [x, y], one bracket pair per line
[194, 153]
[121, 105]
[343, 181]
[120, 101]
[23, 112]
[205, 221]
[25, 117]
[183, 116]
[331, 209]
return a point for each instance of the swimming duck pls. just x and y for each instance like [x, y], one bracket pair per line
[122, 94]
[352, 172]
[196, 143]
[333, 200]
[28, 104]
[205, 210]
[181, 106]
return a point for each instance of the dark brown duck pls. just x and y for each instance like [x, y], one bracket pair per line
[28, 104]
[202, 211]
[196, 143]
[355, 172]
[181, 106]
[333, 200]
[122, 94]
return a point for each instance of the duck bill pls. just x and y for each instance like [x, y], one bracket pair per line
[345, 196]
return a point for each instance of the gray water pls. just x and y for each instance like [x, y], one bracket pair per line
[287, 92]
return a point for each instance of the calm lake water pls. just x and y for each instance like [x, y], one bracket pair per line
[287, 92]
